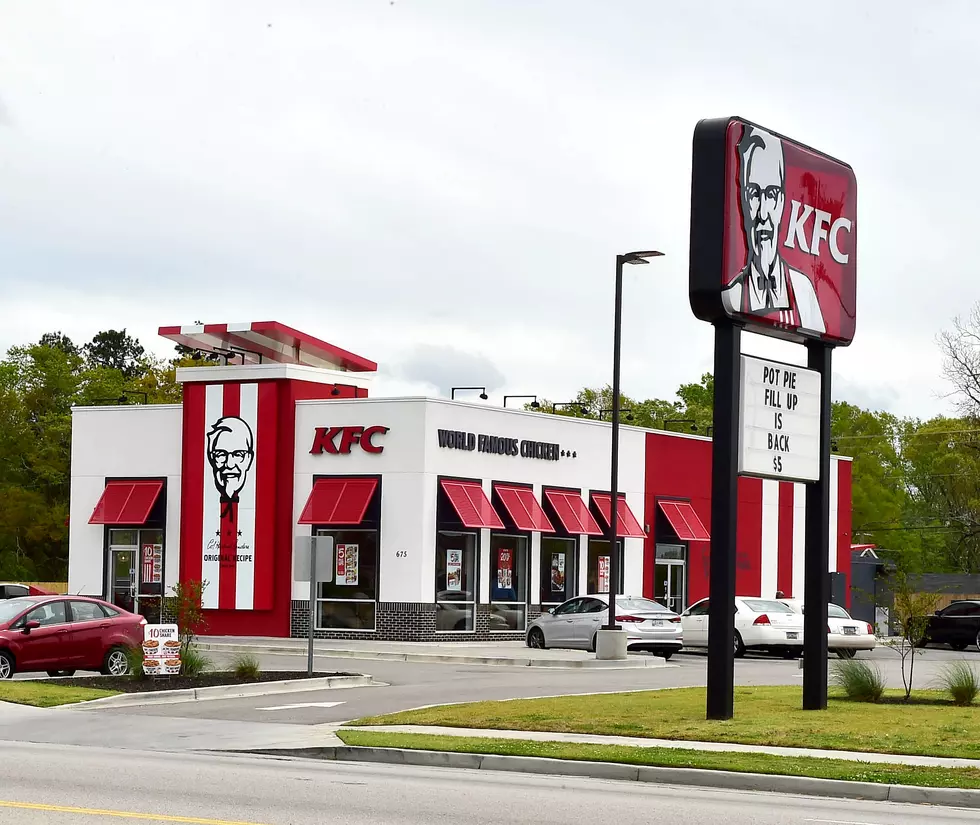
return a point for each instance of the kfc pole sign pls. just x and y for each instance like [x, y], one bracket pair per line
[773, 234]
[341, 440]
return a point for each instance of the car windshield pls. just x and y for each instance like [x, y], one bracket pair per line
[11, 607]
[763, 606]
[641, 606]
[835, 611]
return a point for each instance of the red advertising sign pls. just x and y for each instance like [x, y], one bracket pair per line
[773, 234]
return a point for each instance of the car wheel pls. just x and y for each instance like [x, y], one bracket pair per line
[116, 662]
[535, 639]
[667, 654]
[958, 645]
[846, 653]
[6, 665]
[592, 644]
[739, 645]
[61, 673]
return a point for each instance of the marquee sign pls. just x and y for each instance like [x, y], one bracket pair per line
[773, 234]
[779, 421]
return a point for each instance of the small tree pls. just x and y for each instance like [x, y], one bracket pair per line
[185, 606]
[912, 612]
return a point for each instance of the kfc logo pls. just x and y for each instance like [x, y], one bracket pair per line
[231, 451]
[340, 440]
[778, 219]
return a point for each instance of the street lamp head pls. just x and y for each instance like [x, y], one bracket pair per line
[635, 258]
[535, 404]
[484, 396]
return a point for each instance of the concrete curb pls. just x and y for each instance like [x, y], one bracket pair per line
[442, 658]
[169, 697]
[724, 780]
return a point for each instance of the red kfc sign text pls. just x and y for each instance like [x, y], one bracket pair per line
[341, 440]
[773, 234]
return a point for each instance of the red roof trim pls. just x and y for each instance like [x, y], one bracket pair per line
[126, 502]
[523, 508]
[276, 342]
[573, 512]
[627, 525]
[472, 505]
[338, 501]
[684, 520]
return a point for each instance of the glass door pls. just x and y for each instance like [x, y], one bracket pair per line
[669, 585]
[122, 581]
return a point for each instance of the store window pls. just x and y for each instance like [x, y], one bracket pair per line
[508, 582]
[349, 601]
[456, 580]
[557, 570]
[597, 576]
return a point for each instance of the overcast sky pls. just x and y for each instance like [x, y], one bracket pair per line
[442, 185]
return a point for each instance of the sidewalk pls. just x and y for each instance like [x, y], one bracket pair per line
[641, 742]
[506, 654]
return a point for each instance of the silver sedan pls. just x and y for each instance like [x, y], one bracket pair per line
[649, 625]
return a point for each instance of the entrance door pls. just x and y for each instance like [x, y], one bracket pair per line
[669, 585]
[122, 579]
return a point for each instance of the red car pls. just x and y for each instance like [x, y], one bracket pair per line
[62, 634]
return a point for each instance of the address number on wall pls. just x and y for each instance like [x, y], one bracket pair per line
[401, 554]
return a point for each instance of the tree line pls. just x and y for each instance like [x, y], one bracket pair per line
[916, 483]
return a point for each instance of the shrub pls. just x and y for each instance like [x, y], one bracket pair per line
[194, 663]
[860, 680]
[135, 657]
[961, 682]
[246, 666]
[185, 607]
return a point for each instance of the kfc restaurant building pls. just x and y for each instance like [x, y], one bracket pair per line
[450, 520]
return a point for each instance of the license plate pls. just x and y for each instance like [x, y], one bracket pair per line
[657, 622]
[792, 635]
[850, 631]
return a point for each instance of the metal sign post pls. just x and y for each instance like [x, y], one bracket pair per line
[313, 561]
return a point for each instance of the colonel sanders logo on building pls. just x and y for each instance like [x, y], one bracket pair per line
[767, 285]
[231, 451]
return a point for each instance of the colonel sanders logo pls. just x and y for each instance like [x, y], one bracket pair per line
[767, 285]
[231, 451]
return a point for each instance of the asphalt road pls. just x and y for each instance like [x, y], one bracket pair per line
[58, 785]
[410, 685]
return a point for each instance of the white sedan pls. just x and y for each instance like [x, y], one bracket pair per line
[760, 624]
[845, 636]
[648, 624]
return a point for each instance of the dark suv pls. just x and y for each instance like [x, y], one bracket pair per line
[957, 625]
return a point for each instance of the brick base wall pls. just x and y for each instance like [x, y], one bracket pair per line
[406, 622]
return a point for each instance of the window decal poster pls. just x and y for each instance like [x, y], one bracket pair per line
[152, 572]
[454, 570]
[347, 559]
[557, 572]
[603, 574]
[505, 569]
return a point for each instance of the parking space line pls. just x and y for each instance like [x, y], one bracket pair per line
[67, 809]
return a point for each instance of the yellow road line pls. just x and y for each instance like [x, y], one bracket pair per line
[36, 806]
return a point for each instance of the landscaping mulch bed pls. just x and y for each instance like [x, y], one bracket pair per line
[127, 684]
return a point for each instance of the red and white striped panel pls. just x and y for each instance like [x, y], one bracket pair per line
[267, 342]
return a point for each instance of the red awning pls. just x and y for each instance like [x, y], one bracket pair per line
[338, 501]
[573, 512]
[684, 520]
[471, 504]
[524, 508]
[627, 527]
[126, 502]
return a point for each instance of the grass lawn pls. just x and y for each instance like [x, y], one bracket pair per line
[763, 716]
[44, 695]
[665, 757]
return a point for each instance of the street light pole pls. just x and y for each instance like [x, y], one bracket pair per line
[614, 462]
[614, 560]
